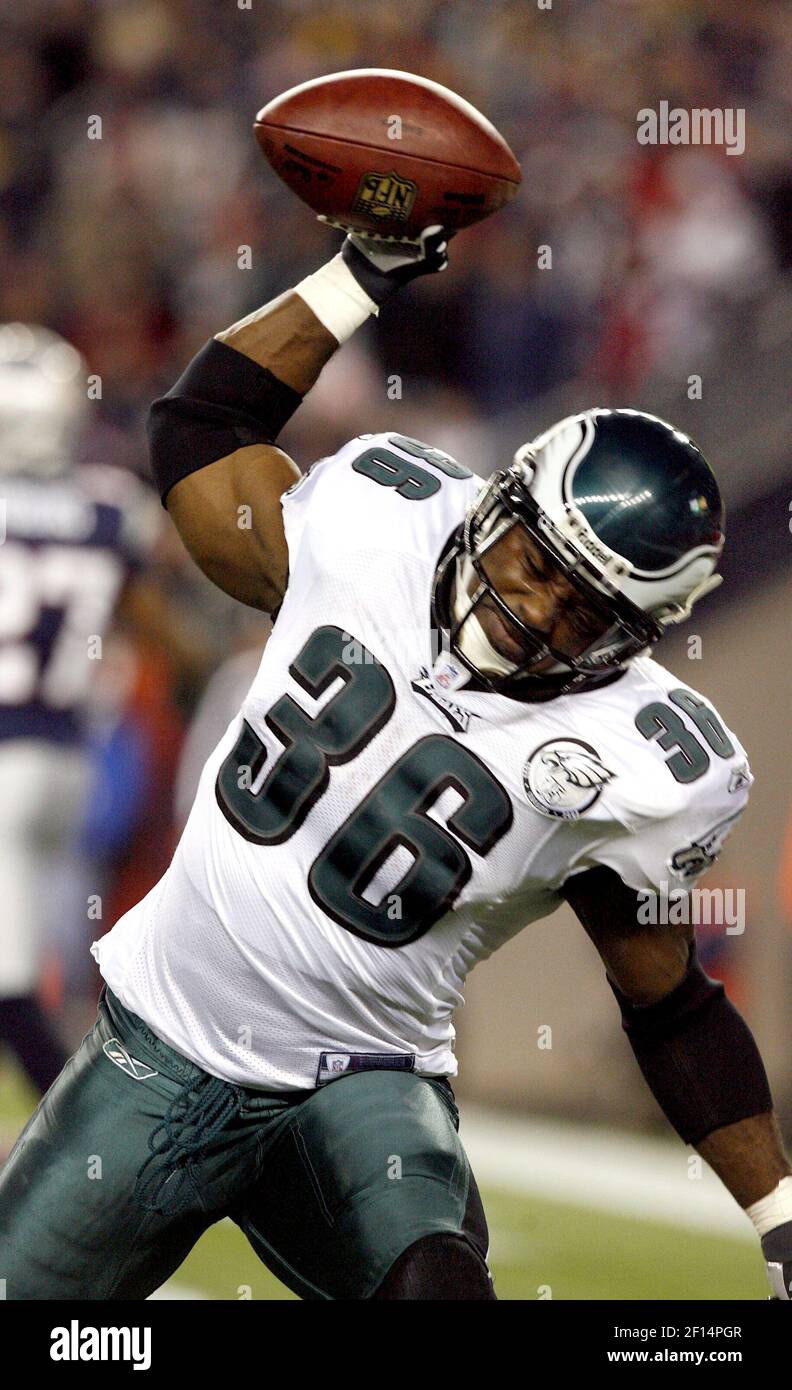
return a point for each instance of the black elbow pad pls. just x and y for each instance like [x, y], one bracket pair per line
[222, 402]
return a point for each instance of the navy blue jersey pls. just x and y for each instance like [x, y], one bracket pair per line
[68, 546]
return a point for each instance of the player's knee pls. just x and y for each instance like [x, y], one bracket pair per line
[441, 1266]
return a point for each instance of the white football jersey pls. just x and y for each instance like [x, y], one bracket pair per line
[362, 836]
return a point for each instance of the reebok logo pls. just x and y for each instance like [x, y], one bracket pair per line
[118, 1054]
[457, 717]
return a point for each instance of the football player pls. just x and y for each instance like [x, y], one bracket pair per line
[72, 537]
[455, 726]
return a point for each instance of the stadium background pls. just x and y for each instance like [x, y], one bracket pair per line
[667, 262]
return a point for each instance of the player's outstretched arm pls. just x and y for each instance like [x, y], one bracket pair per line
[213, 434]
[697, 1054]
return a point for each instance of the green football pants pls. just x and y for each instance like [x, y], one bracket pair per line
[134, 1152]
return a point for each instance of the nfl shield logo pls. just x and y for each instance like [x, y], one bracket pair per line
[385, 196]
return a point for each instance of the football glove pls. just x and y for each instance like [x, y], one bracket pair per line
[777, 1250]
[382, 267]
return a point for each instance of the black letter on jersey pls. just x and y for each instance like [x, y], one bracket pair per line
[395, 813]
[344, 726]
[660, 722]
[389, 470]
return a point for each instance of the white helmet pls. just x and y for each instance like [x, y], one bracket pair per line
[42, 399]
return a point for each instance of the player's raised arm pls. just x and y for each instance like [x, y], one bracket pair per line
[212, 435]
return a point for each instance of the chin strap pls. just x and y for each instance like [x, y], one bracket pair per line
[682, 611]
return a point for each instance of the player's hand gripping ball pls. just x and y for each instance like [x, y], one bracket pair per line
[383, 267]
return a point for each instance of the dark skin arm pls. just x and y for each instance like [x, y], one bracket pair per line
[251, 562]
[646, 964]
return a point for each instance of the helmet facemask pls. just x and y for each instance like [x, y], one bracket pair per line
[620, 505]
[624, 630]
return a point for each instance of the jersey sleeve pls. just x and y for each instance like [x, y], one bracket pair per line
[298, 503]
[379, 492]
[676, 791]
[674, 851]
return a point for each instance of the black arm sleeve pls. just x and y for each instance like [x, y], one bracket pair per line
[696, 1052]
[222, 402]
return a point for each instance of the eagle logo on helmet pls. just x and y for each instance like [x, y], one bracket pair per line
[564, 777]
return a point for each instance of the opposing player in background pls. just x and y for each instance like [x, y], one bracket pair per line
[73, 537]
[455, 727]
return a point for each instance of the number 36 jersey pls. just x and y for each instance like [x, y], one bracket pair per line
[362, 836]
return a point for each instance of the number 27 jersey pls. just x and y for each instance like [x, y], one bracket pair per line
[362, 837]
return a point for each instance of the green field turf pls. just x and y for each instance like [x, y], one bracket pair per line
[537, 1245]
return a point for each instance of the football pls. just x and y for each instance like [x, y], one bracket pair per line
[387, 153]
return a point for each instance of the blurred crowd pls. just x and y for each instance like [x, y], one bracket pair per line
[129, 181]
[128, 243]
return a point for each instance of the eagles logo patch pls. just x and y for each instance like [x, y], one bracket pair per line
[694, 858]
[564, 777]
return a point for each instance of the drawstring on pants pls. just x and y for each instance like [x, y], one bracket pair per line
[199, 1111]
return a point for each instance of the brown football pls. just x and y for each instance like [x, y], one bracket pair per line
[386, 152]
